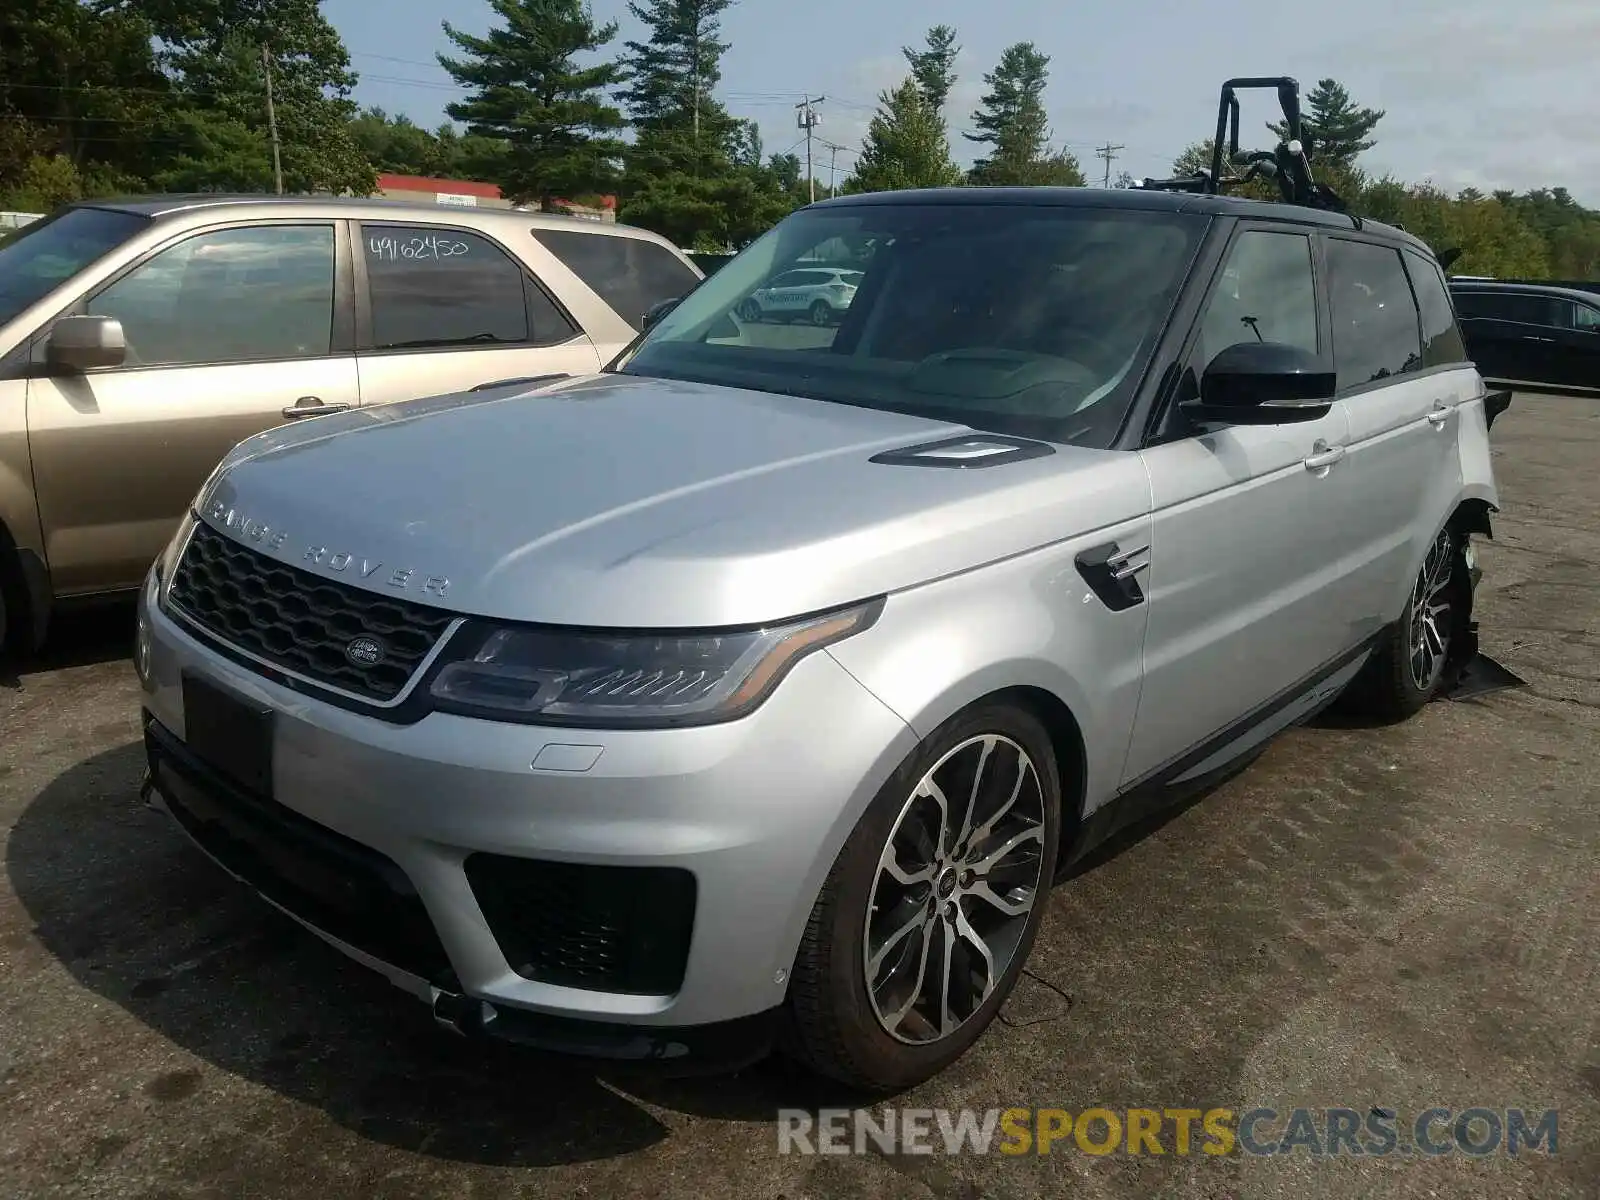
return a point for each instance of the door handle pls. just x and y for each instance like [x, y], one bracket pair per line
[1323, 457]
[311, 406]
[1440, 414]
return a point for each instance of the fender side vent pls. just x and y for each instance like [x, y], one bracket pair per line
[965, 453]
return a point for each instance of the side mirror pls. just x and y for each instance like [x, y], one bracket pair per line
[658, 310]
[83, 343]
[1264, 383]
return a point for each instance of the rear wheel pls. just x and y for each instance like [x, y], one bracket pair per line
[928, 915]
[750, 311]
[1408, 667]
[821, 314]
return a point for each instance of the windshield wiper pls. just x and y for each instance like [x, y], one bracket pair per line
[476, 339]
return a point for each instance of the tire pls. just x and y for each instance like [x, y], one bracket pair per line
[820, 313]
[860, 1023]
[750, 312]
[1408, 667]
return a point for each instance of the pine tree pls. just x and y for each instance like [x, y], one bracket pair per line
[1012, 123]
[1337, 129]
[530, 93]
[672, 79]
[694, 173]
[934, 66]
[905, 146]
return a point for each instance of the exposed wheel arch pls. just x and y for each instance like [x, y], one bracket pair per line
[1066, 743]
[25, 592]
[1472, 516]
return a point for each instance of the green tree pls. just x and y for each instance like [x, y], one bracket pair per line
[672, 80]
[1337, 129]
[905, 146]
[80, 84]
[1012, 122]
[219, 55]
[529, 91]
[694, 172]
[400, 145]
[933, 66]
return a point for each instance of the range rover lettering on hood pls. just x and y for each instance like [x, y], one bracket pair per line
[253, 531]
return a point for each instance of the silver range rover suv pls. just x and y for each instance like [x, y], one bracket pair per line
[754, 691]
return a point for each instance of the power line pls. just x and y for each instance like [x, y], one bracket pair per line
[1109, 153]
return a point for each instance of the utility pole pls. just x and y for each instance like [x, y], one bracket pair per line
[833, 170]
[272, 122]
[1109, 153]
[808, 122]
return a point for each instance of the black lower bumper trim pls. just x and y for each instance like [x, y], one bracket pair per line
[723, 1046]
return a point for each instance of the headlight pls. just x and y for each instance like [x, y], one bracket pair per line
[631, 680]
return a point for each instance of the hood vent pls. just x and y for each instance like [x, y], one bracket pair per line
[965, 453]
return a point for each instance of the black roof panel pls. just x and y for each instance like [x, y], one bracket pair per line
[1131, 199]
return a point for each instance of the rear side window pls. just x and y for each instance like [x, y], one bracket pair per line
[1585, 317]
[1441, 338]
[630, 274]
[1375, 321]
[1524, 308]
[437, 287]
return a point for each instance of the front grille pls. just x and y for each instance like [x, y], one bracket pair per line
[340, 886]
[300, 621]
[602, 928]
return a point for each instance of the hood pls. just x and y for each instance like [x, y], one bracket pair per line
[627, 502]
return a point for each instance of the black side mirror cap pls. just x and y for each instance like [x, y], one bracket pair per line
[1264, 383]
[658, 310]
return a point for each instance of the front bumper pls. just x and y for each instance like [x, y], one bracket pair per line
[409, 848]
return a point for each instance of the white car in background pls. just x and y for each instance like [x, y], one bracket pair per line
[819, 294]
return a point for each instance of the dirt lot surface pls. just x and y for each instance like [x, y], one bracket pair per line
[1392, 918]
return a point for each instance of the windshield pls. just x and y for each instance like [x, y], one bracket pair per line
[1029, 320]
[49, 252]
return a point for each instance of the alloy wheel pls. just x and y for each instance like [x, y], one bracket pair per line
[1428, 638]
[955, 889]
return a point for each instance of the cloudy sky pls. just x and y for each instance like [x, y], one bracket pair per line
[1478, 92]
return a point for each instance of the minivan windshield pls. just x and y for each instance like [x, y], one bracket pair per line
[51, 251]
[1031, 320]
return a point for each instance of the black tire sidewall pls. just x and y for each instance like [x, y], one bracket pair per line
[821, 314]
[879, 1060]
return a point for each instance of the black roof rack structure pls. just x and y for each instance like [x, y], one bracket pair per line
[1288, 165]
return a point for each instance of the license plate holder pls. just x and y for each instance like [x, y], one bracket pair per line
[229, 733]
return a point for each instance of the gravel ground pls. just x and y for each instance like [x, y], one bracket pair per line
[1399, 918]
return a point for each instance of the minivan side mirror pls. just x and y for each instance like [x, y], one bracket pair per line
[1264, 383]
[83, 343]
[658, 310]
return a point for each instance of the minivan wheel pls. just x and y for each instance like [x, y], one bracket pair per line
[928, 915]
[1407, 668]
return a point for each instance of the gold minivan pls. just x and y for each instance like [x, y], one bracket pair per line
[140, 340]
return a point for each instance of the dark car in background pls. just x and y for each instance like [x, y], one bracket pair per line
[1531, 335]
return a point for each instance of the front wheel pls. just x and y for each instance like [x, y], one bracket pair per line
[1408, 667]
[927, 917]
